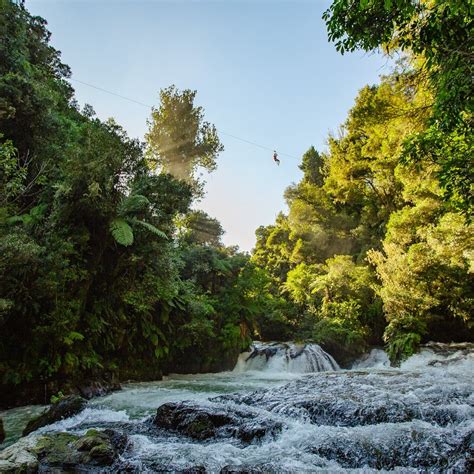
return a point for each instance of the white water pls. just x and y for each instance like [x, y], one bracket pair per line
[287, 357]
[417, 418]
[375, 359]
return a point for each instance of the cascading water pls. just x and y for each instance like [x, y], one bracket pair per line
[261, 418]
[287, 357]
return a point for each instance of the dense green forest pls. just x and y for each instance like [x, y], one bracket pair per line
[107, 271]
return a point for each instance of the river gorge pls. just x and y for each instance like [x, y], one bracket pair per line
[284, 408]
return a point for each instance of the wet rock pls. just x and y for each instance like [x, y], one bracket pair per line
[246, 469]
[36, 393]
[418, 447]
[267, 351]
[19, 457]
[157, 467]
[63, 452]
[190, 362]
[194, 470]
[64, 408]
[2, 432]
[288, 356]
[97, 388]
[447, 349]
[360, 399]
[204, 422]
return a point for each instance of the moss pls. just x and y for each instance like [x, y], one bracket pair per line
[102, 453]
[64, 408]
[65, 450]
[55, 448]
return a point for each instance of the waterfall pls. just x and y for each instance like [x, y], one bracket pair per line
[453, 356]
[289, 357]
[264, 418]
[375, 359]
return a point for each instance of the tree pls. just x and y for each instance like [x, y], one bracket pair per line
[438, 34]
[425, 267]
[198, 227]
[312, 165]
[179, 139]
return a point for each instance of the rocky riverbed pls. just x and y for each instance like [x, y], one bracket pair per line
[285, 408]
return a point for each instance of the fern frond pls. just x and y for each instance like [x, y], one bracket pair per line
[121, 231]
[151, 228]
[132, 204]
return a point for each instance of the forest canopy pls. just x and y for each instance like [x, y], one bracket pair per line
[107, 270]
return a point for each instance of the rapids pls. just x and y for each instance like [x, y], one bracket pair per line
[289, 408]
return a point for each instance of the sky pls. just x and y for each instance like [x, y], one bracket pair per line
[264, 71]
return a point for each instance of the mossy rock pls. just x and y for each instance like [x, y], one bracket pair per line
[98, 446]
[64, 408]
[64, 452]
[57, 449]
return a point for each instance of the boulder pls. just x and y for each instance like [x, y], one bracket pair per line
[19, 457]
[63, 452]
[204, 422]
[97, 388]
[64, 408]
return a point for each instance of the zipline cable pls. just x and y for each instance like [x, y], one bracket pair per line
[150, 107]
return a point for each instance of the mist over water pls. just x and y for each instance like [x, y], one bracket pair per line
[315, 416]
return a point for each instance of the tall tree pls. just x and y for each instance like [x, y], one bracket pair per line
[439, 36]
[199, 227]
[179, 139]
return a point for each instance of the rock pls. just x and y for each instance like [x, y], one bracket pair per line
[63, 452]
[19, 457]
[247, 469]
[194, 470]
[267, 351]
[195, 422]
[64, 408]
[97, 388]
[38, 393]
[357, 399]
[2, 432]
[204, 422]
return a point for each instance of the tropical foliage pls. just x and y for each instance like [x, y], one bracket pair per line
[372, 251]
[106, 269]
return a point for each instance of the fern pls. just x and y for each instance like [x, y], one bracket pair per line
[133, 203]
[151, 228]
[121, 231]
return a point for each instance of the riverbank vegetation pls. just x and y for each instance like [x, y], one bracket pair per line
[107, 271]
[378, 243]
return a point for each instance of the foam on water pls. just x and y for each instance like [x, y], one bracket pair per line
[416, 418]
[285, 357]
[89, 416]
[375, 359]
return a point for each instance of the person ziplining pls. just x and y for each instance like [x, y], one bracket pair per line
[275, 158]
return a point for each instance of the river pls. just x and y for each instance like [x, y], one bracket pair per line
[291, 409]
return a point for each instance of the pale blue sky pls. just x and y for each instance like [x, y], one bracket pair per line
[264, 71]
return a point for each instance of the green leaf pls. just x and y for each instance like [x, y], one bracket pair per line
[73, 336]
[15, 220]
[133, 203]
[151, 228]
[121, 231]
